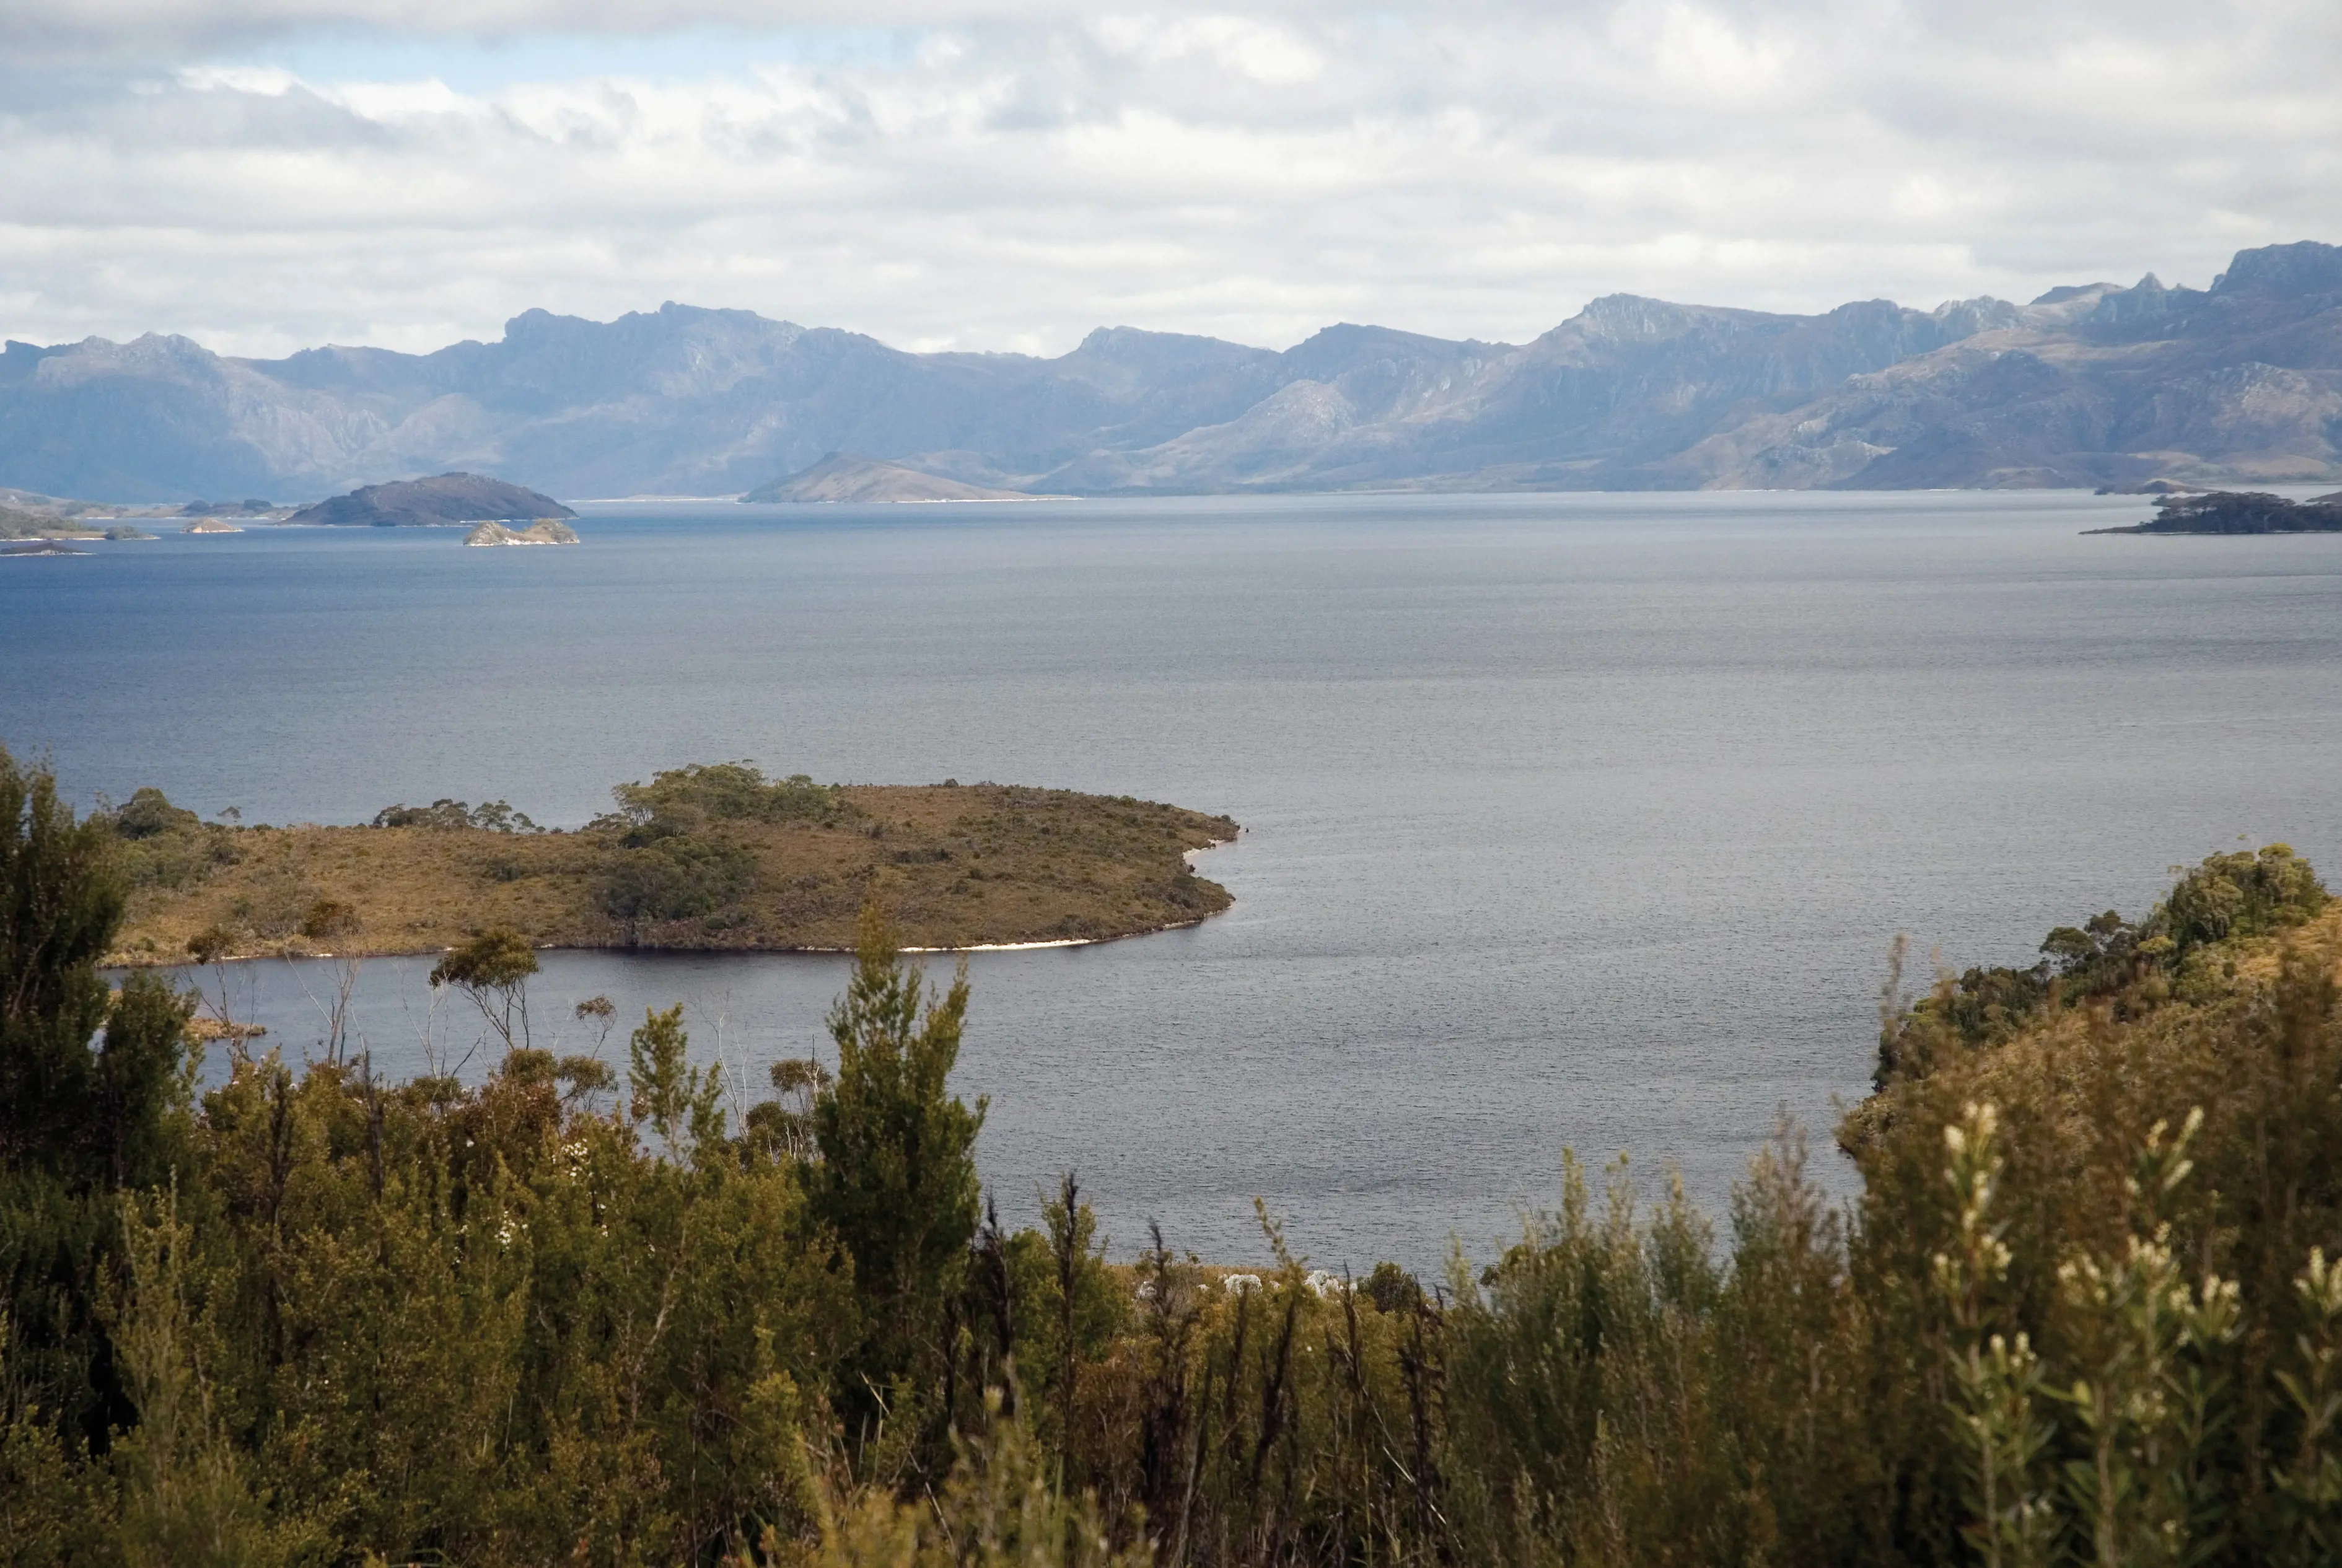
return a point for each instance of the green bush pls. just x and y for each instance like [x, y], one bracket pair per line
[455, 816]
[674, 879]
[687, 799]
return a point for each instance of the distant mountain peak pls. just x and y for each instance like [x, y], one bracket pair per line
[2067, 293]
[2303, 268]
[1137, 344]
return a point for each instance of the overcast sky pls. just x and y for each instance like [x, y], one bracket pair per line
[271, 174]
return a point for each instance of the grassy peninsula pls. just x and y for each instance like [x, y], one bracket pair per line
[715, 856]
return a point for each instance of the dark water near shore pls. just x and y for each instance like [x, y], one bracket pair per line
[1578, 821]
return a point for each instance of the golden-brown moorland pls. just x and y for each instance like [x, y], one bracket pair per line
[953, 866]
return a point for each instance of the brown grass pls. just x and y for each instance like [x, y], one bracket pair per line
[953, 865]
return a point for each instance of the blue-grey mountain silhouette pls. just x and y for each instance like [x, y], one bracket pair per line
[441, 500]
[2236, 385]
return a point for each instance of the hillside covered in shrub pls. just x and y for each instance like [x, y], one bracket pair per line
[2086, 1308]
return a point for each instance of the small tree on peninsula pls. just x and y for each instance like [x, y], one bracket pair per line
[896, 1181]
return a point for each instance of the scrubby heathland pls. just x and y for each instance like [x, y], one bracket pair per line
[593, 1309]
[707, 857]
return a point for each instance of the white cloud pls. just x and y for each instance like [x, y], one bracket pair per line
[1699, 53]
[1002, 178]
[1242, 45]
[265, 81]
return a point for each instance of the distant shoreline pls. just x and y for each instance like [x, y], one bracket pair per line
[741, 499]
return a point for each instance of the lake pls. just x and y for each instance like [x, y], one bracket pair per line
[1574, 820]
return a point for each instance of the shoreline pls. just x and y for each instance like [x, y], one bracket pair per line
[125, 966]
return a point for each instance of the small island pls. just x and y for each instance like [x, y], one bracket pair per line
[2239, 512]
[706, 857]
[549, 530]
[444, 501]
[20, 525]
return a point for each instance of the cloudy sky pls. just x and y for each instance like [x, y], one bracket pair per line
[266, 174]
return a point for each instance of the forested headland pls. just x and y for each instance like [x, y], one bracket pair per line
[2086, 1308]
[2239, 512]
[707, 857]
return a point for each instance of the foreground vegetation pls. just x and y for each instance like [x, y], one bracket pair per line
[2087, 1309]
[706, 856]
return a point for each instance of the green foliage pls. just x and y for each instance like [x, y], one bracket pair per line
[2309, 1478]
[1614, 1394]
[165, 847]
[135, 1126]
[496, 960]
[1392, 1289]
[2108, 961]
[687, 799]
[435, 1323]
[81, 1112]
[2241, 512]
[1004, 1506]
[1997, 1412]
[60, 901]
[186, 1498]
[148, 814]
[328, 918]
[896, 1181]
[492, 970]
[2239, 895]
[671, 1095]
[453, 815]
[50, 1507]
[2081, 1313]
[675, 878]
[675, 857]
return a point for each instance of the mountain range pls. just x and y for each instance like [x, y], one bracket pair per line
[2095, 384]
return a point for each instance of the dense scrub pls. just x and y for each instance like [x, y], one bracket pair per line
[2085, 1309]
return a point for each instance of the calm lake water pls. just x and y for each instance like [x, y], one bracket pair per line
[1571, 820]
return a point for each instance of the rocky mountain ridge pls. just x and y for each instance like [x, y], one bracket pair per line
[2237, 384]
